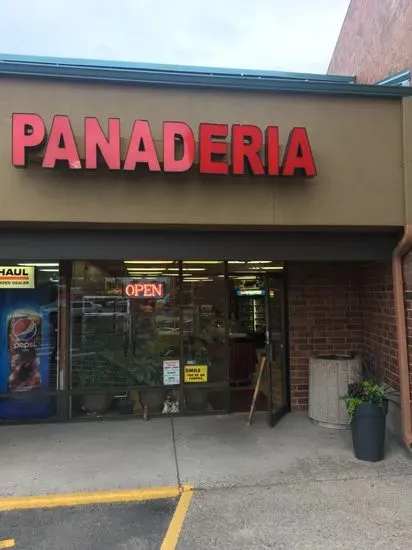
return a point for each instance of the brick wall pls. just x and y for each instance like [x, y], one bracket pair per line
[375, 40]
[340, 308]
[379, 338]
[324, 317]
[407, 275]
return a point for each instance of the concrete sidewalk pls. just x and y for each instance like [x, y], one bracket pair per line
[208, 452]
[366, 514]
[296, 486]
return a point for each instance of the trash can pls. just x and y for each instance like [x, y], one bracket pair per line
[329, 377]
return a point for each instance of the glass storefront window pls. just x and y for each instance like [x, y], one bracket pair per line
[125, 332]
[119, 337]
[204, 299]
[166, 336]
[29, 317]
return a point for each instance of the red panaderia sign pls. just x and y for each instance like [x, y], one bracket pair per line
[250, 152]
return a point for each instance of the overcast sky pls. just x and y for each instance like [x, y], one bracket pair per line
[287, 35]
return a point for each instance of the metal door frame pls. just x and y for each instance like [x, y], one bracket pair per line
[274, 417]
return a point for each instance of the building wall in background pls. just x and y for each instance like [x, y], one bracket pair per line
[375, 40]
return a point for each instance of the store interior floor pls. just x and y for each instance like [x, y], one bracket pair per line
[241, 399]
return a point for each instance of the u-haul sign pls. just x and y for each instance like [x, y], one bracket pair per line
[12, 276]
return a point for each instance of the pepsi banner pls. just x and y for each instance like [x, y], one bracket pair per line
[27, 352]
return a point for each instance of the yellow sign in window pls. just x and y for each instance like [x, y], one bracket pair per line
[195, 373]
[14, 276]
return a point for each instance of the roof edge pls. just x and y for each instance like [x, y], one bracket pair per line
[187, 76]
[157, 67]
[395, 79]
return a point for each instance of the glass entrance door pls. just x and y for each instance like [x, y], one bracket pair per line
[275, 368]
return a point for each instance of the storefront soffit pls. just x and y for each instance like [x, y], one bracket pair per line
[223, 245]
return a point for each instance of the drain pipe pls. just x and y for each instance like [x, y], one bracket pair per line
[402, 248]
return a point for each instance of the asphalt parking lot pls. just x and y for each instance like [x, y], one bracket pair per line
[113, 526]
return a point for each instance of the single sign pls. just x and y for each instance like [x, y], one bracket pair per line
[195, 373]
[250, 292]
[17, 276]
[171, 372]
[144, 290]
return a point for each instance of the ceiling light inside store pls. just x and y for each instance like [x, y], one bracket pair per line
[42, 264]
[145, 269]
[202, 262]
[260, 262]
[50, 270]
[149, 262]
[265, 268]
[187, 269]
[244, 278]
[197, 280]
[235, 262]
[144, 275]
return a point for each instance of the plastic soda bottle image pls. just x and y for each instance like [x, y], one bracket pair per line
[24, 334]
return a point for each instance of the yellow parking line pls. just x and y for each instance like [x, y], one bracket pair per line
[77, 499]
[175, 526]
[9, 543]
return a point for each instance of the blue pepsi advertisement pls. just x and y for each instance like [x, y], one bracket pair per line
[28, 352]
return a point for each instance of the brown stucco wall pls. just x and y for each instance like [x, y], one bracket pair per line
[356, 142]
[375, 40]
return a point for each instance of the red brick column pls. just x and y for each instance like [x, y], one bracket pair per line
[324, 317]
[379, 343]
[407, 280]
[343, 308]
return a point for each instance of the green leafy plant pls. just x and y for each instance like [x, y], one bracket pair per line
[366, 391]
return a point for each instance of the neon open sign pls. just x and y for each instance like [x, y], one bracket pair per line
[144, 290]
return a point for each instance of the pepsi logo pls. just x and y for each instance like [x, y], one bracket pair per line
[24, 329]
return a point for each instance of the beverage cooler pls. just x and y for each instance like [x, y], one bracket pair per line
[251, 310]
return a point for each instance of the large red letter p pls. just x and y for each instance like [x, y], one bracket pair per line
[28, 132]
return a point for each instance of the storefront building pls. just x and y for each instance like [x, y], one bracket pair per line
[163, 229]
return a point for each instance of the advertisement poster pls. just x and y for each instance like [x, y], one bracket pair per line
[171, 372]
[195, 373]
[17, 277]
[27, 352]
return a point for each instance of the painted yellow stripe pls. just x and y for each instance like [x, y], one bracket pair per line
[9, 543]
[77, 499]
[175, 526]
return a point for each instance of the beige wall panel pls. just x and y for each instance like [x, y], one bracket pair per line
[357, 145]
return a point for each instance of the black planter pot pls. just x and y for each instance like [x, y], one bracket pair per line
[368, 432]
